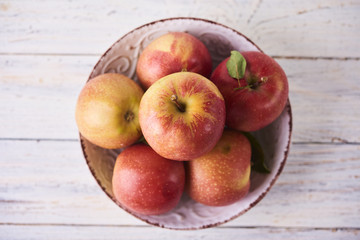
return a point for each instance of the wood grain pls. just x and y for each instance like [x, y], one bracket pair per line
[47, 50]
[318, 28]
[49, 183]
[38, 232]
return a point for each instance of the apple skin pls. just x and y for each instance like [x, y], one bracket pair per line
[146, 183]
[180, 135]
[222, 176]
[250, 109]
[170, 53]
[107, 111]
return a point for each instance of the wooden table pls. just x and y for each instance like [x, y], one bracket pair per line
[47, 50]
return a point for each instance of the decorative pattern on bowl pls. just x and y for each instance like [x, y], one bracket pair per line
[122, 57]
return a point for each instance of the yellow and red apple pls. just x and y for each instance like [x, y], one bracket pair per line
[170, 53]
[145, 182]
[222, 176]
[107, 111]
[182, 116]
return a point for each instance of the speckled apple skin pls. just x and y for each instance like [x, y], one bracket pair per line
[102, 107]
[222, 176]
[170, 53]
[182, 135]
[250, 109]
[147, 183]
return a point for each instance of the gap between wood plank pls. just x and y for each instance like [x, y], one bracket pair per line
[99, 55]
[149, 226]
[316, 58]
[51, 54]
[336, 141]
[41, 139]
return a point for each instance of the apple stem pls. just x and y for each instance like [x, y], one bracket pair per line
[252, 83]
[180, 106]
[256, 84]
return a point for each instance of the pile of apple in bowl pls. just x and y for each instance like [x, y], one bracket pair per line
[185, 123]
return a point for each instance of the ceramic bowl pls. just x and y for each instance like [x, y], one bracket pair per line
[122, 57]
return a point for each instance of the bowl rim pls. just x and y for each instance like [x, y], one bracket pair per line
[263, 193]
[165, 20]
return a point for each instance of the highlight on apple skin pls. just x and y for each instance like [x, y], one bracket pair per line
[107, 111]
[222, 176]
[146, 183]
[256, 99]
[182, 116]
[170, 53]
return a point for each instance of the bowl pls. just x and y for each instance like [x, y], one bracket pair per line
[122, 57]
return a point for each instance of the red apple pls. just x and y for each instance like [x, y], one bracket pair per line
[107, 111]
[222, 176]
[170, 53]
[146, 183]
[255, 99]
[182, 116]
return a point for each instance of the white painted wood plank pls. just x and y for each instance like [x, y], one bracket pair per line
[19, 232]
[325, 98]
[318, 28]
[48, 182]
[319, 183]
[38, 96]
[283, 28]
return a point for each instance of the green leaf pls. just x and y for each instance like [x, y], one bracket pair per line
[236, 65]
[257, 155]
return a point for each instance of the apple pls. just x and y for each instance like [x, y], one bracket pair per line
[107, 111]
[146, 183]
[256, 92]
[222, 176]
[170, 53]
[182, 116]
